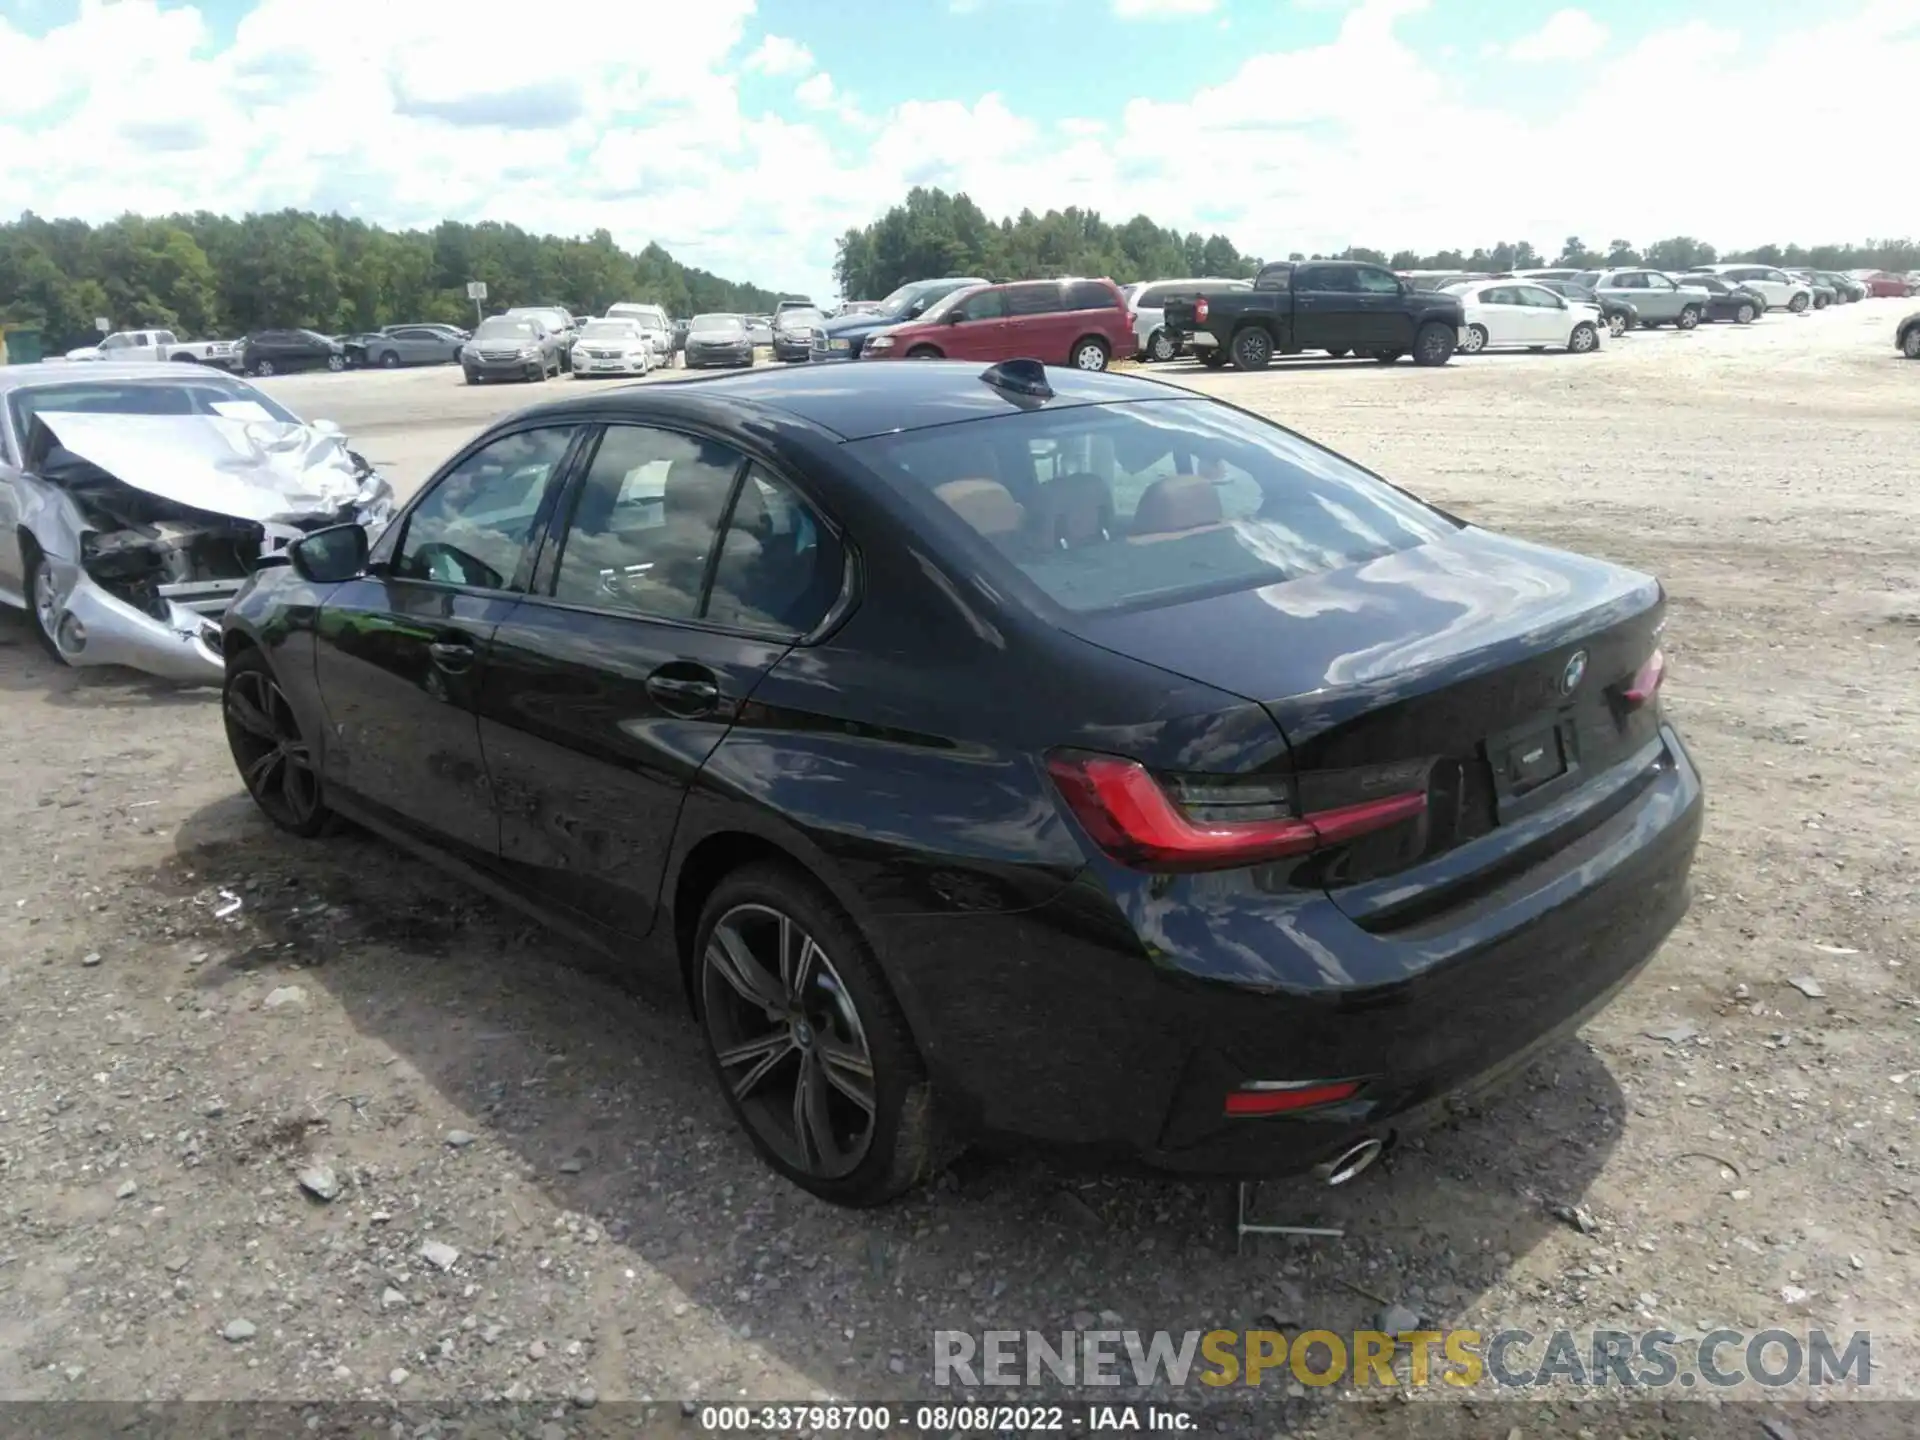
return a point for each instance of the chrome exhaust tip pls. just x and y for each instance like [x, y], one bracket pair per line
[1349, 1163]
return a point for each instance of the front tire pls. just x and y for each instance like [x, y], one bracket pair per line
[276, 762]
[260, 367]
[1745, 315]
[1339, 354]
[1252, 349]
[336, 363]
[1798, 304]
[1434, 344]
[809, 1046]
[1476, 340]
[1688, 317]
[1089, 353]
[1819, 302]
[1214, 359]
[1388, 357]
[1910, 343]
[1584, 340]
[1616, 325]
[43, 611]
[924, 352]
[1161, 347]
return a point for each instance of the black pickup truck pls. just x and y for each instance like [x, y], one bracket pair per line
[1343, 307]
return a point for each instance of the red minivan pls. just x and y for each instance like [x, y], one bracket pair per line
[1082, 323]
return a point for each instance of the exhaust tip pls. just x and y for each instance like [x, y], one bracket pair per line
[1350, 1163]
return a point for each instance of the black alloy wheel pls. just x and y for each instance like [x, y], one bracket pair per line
[1252, 348]
[1435, 343]
[276, 763]
[809, 1046]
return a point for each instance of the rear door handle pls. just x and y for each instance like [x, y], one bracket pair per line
[453, 656]
[683, 695]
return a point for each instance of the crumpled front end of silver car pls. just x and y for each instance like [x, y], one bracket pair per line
[175, 513]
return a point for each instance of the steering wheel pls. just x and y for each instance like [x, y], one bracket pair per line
[452, 565]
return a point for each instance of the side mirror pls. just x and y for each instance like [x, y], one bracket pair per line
[326, 557]
[915, 309]
[955, 315]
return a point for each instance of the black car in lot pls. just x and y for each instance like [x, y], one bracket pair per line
[1339, 306]
[1017, 754]
[1729, 300]
[793, 331]
[718, 340]
[1619, 314]
[278, 352]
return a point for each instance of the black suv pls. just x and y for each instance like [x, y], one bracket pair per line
[275, 352]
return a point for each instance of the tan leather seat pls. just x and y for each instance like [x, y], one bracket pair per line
[1072, 511]
[1176, 505]
[986, 505]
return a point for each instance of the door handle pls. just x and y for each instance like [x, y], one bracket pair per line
[453, 656]
[683, 696]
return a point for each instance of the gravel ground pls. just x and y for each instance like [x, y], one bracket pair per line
[310, 1121]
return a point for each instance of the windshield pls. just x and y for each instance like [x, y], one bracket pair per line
[799, 318]
[716, 325]
[499, 329]
[901, 300]
[611, 330]
[650, 316]
[201, 395]
[1103, 507]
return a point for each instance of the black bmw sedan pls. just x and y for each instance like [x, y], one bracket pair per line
[1016, 754]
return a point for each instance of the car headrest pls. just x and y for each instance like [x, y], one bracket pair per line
[1178, 502]
[1073, 510]
[986, 505]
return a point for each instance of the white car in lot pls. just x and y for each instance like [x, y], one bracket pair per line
[653, 322]
[1516, 314]
[1147, 304]
[1783, 291]
[612, 347]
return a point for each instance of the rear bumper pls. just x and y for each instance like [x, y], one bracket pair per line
[1054, 1033]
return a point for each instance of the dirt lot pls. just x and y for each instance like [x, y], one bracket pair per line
[1739, 1129]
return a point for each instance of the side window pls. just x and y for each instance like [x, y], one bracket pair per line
[471, 528]
[1085, 295]
[987, 305]
[1155, 297]
[1777, 278]
[1376, 282]
[1275, 277]
[1630, 280]
[1650, 281]
[1041, 298]
[1546, 299]
[779, 568]
[645, 523]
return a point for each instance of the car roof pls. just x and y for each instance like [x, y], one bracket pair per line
[23, 377]
[856, 399]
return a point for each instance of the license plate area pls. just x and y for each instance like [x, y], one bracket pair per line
[1531, 762]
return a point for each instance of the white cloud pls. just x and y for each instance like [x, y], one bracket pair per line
[1159, 9]
[777, 55]
[1567, 35]
[407, 114]
[816, 91]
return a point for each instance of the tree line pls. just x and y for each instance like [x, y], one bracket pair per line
[933, 233]
[206, 275]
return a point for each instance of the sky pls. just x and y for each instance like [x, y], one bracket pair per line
[747, 135]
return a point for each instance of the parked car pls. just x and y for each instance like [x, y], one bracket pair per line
[1082, 323]
[392, 346]
[279, 352]
[793, 329]
[509, 348]
[1727, 300]
[793, 302]
[1656, 295]
[136, 499]
[1566, 273]
[653, 321]
[1339, 306]
[1285, 842]
[556, 320]
[1618, 315]
[1147, 304]
[844, 336]
[1782, 291]
[145, 345]
[760, 328]
[1887, 282]
[718, 340]
[1846, 289]
[1512, 313]
[1907, 337]
[857, 307]
[612, 347]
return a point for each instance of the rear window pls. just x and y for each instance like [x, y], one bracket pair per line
[1087, 295]
[1107, 507]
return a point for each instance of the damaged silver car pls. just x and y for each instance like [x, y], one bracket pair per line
[135, 504]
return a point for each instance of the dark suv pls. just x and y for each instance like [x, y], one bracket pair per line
[275, 352]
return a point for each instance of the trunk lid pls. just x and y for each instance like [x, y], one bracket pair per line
[1490, 668]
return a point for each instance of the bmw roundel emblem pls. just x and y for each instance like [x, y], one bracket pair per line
[1575, 672]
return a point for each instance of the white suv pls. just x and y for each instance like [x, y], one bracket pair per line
[1782, 290]
[1147, 304]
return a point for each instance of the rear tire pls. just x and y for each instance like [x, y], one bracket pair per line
[1089, 353]
[1339, 354]
[1910, 343]
[1252, 348]
[336, 363]
[1161, 347]
[1819, 302]
[389, 359]
[844, 1007]
[260, 367]
[1434, 344]
[1388, 357]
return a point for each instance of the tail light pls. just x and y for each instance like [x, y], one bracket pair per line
[1200, 310]
[1208, 824]
[1646, 681]
[1277, 1097]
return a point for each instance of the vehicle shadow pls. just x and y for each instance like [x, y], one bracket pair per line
[604, 1100]
[25, 668]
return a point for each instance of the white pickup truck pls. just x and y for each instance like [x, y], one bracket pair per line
[158, 345]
